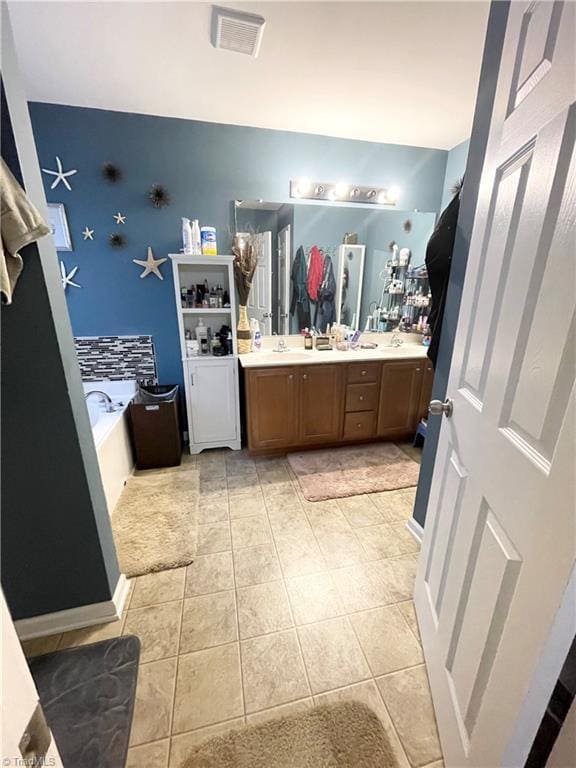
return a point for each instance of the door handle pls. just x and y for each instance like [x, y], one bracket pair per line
[437, 408]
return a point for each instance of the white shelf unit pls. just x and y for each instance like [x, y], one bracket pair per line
[211, 382]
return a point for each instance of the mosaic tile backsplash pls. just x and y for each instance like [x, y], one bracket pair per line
[115, 358]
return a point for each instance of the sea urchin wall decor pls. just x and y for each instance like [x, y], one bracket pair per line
[407, 226]
[111, 173]
[159, 196]
[117, 240]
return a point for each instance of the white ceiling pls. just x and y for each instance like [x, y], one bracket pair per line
[400, 72]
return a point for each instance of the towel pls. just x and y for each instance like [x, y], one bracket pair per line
[20, 224]
[315, 268]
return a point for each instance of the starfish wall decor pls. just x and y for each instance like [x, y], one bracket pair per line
[119, 218]
[151, 265]
[60, 174]
[88, 234]
[68, 277]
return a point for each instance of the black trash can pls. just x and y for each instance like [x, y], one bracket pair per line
[156, 426]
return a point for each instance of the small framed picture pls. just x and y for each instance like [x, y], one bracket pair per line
[59, 226]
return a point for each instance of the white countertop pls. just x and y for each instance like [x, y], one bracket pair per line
[297, 355]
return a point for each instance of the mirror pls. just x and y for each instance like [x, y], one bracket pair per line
[320, 264]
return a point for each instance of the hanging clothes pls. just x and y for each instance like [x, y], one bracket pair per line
[438, 261]
[315, 272]
[300, 304]
[326, 307]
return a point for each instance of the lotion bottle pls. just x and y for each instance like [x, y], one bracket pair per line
[186, 236]
[196, 245]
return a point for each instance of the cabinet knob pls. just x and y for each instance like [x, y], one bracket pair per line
[361, 397]
[417, 370]
[359, 426]
[305, 376]
[291, 376]
[363, 373]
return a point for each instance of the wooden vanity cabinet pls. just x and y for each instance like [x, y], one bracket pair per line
[321, 398]
[400, 392]
[272, 407]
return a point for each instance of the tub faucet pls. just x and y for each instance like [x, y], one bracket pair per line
[104, 398]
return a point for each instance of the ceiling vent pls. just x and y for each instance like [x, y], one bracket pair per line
[237, 31]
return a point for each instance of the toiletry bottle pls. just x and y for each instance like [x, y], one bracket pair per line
[307, 340]
[186, 236]
[229, 343]
[201, 330]
[208, 241]
[196, 243]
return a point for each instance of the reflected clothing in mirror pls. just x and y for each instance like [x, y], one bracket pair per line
[300, 303]
[438, 261]
[326, 306]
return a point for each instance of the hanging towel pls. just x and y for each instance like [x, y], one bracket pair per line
[315, 270]
[20, 224]
[326, 307]
[300, 302]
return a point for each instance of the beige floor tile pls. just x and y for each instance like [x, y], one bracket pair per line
[214, 511]
[299, 556]
[394, 505]
[435, 764]
[368, 693]
[407, 698]
[158, 627]
[386, 640]
[208, 688]
[162, 587]
[359, 589]
[256, 565]
[281, 503]
[407, 542]
[240, 467]
[395, 577]
[154, 755]
[184, 743]
[273, 671]
[250, 531]
[380, 541]
[325, 520]
[262, 609]
[247, 506]
[212, 487]
[332, 655]
[409, 612]
[214, 538]
[340, 548]
[208, 620]
[273, 476]
[40, 645]
[289, 522]
[269, 463]
[154, 698]
[314, 598]
[360, 511]
[209, 573]
[409, 494]
[91, 634]
[284, 709]
[330, 505]
[246, 482]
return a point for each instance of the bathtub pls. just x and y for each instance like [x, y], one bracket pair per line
[112, 436]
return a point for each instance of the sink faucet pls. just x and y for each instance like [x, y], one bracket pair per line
[104, 398]
[396, 341]
[281, 346]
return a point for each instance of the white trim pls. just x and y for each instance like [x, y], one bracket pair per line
[415, 529]
[76, 618]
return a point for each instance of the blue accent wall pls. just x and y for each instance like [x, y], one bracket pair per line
[455, 167]
[204, 166]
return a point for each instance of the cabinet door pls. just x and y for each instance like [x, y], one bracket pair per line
[426, 390]
[272, 412]
[321, 403]
[399, 397]
[212, 400]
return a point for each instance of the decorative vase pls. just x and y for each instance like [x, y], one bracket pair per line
[243, 331]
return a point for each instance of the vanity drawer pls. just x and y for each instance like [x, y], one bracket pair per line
[363, 373]
[358, 426]
[361, 397]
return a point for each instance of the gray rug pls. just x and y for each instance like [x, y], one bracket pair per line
[339, 472]
[87, 694]
[155, 520]
[347, 735]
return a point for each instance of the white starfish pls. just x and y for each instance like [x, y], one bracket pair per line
[60, 175]
[67, 277]
[88, 234]
[119, 218]
[150, 265]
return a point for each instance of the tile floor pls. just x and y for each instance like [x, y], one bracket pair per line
[288, 604]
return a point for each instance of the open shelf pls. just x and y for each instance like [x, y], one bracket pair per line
[206, 311]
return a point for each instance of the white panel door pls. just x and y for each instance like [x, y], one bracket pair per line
[212, 400]
[499, 542]
[284, 269]
[260, 298]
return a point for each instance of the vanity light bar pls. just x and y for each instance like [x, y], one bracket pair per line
[341, 192]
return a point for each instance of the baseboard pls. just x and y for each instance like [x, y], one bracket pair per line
[415, 529]
[75, 618]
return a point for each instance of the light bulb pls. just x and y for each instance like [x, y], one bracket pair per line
[393, 194]
[341, 189]
[303, 186]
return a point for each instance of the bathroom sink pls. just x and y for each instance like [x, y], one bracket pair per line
[284, 357]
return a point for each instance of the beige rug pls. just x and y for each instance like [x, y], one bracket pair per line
[154, 522]
[339, 472]
[347, 735]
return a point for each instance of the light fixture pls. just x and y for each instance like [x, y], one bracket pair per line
[340, 192]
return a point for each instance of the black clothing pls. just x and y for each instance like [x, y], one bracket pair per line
[438, 261]
[300, 302]
[326, 307]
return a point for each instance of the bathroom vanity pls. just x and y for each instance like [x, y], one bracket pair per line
[311, 399]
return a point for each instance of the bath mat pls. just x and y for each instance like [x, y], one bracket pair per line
[87, 695]
[346, 735]
[340, 472]
[154, 522]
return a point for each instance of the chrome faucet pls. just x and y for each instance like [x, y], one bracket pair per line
[281, 346]
[396, 341]
[104, 398]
